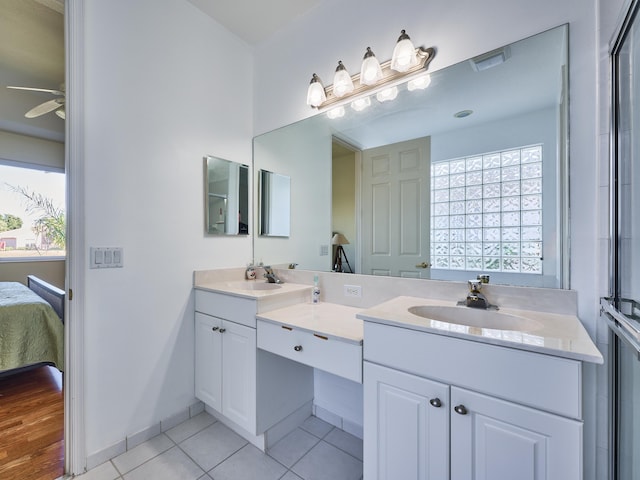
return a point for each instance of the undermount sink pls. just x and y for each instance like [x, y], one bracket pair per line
[255, 285]
[475, 318]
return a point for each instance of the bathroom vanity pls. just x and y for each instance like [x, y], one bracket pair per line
[450, 392]
[458, 400]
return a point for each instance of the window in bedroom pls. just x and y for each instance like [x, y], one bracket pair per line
[32, 212]
[486, 212]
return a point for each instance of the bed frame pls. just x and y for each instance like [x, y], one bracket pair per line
[50, 293]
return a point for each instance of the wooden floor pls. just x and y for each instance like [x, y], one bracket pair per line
[32, 425]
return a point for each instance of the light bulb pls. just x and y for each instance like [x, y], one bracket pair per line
[360, 104]
[404, 54]
[315, 93]
[419, 83]
[335, 113]
[387, 94]
[342, 83]
[371, 71]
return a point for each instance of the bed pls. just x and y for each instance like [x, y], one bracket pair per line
[31, 325]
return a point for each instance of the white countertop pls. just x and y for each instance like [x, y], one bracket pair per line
[552, 334]
[329, 319]
[253, 289]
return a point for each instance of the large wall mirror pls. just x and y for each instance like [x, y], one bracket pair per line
[464, 177]
[226, 197]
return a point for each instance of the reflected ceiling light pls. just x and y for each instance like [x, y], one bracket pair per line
[419, 83]
[342, 83]
[336, 112]
[404, 54]
[387, 94]
[463, 113]
[407, 62]
[371, 72]
[360, 104]
[315, 94]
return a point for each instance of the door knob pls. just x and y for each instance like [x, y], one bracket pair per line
[423, 265]
[298, 348]
[222, 330]
[215, 329]
[435, 402]
[460, 409]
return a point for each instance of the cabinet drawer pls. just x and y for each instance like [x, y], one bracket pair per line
[227, 307]
[542, 381]
[334, 356]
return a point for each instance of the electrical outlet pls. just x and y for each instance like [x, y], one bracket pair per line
[324, 250]
[352, 291]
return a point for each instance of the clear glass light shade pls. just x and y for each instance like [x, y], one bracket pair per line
[404, 54]
[360, 104]
[387, 94]
[342, 83]
[371, 71]
[336, 112]
[315, 93]
[419, 83]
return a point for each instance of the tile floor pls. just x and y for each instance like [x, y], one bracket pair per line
[202, 448]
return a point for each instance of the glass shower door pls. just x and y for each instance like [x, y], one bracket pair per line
[622, 310]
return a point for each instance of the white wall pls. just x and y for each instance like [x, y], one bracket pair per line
[458, 30]
[158, 98]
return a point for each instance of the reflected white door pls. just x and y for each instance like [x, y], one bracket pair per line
[395, 209]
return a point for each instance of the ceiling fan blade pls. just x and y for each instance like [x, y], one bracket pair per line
[45, 107]
[45, 90]
[61, 113]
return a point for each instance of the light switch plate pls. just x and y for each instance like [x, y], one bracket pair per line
[105, 257]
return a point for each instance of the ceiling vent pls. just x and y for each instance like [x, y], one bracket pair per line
[490, 59]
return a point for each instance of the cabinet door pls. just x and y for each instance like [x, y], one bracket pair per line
[239, 374]
[494, 439]
[208, 360]
[406, 420]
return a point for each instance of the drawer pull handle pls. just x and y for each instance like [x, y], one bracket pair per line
[322, 337]
[286, 328]
[435, 402]
[222, 330]
[215, 329]
[460, 409]
[298, 348]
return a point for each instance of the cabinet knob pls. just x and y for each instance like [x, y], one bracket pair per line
[215, 329]
[298, 348]
[435, 402]
[460, 409]
[222, 330]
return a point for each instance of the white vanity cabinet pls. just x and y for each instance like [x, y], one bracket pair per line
[437, 407]
[225, 365]
[249, 390]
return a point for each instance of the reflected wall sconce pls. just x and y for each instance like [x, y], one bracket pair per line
[406, 62]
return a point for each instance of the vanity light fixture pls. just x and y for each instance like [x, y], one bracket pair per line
[371, 72]
[404, 54]
[360, 104]
[336, 112]
[387, 94]
[342, 83]
[316, 94]
[407, 62]
[419, 83]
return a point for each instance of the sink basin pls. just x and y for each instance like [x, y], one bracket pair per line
[255, 286]
[475, 318]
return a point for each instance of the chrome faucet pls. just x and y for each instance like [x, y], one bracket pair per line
[270, 275]
[475, 299]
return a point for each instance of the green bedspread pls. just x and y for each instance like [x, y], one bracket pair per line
[30, 330]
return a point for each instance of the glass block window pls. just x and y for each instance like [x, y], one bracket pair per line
[486, 212]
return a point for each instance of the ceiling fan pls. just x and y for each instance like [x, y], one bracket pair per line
[56, 104]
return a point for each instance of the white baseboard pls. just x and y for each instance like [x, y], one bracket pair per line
[135, 439]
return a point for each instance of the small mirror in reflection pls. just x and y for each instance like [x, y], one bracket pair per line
[275, 208]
